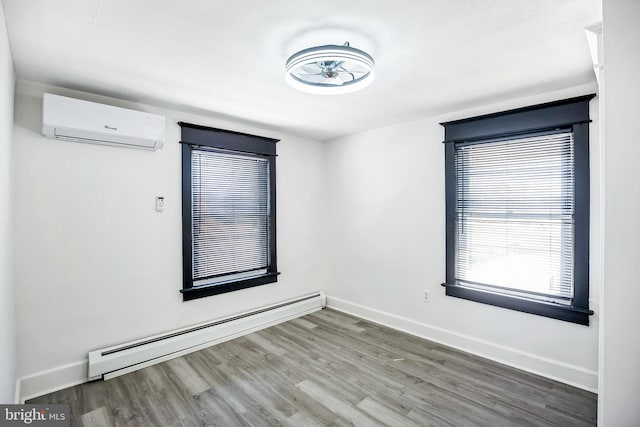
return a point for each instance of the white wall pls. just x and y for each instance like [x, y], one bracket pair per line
[620, 365]
[387, 216]
[98, 266]
[7, 331]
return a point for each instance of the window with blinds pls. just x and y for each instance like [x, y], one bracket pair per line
[230, 215]
[228, 211]
[515, 216]
[517, 209]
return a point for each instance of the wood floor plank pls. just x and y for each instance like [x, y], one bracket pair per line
[265, 343]
[349, 326]
[328, 369]
[215, 410]
[302, 419]
[97, 418]
[303, 322]
[190, 378]
[340, 407]
[163, 381]
[382, 413]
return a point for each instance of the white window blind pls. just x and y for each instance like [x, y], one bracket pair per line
[230, 215]
[515, 216]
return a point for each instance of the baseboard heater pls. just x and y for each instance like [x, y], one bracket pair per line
[118, 360]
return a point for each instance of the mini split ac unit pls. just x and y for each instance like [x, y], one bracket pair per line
[83, 121]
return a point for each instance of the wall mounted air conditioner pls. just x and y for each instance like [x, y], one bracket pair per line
[83, 121]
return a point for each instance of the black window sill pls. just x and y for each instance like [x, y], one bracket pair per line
[224, 287]
[541, 308]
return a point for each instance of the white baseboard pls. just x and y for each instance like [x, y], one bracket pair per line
[51, 380]
[552, 369]
[16, 393]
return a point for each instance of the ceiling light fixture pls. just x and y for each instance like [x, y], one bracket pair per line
[330, 70]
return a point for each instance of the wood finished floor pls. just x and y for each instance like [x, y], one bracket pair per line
[327, 368]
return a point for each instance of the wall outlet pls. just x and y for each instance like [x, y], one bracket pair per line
[427, 296]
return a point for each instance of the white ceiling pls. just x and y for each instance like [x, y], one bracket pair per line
[227, 57]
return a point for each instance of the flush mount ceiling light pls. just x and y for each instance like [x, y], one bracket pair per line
[330, 69]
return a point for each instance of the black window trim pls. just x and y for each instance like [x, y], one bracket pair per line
[194, 136]
[568, 114]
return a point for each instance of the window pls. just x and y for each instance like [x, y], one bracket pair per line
[517, 207]
[228, 211]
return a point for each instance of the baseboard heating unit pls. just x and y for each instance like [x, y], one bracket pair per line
[118, 360]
